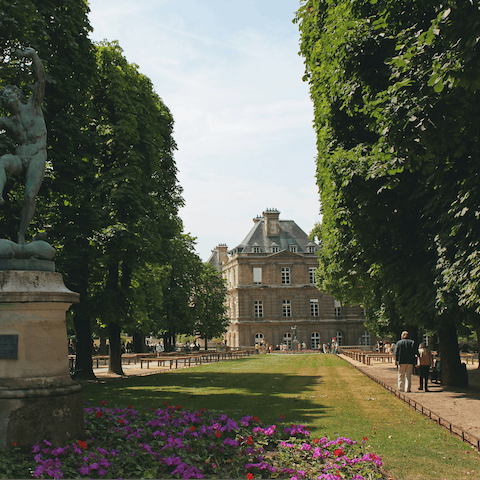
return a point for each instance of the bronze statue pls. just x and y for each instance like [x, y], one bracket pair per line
[27, 127]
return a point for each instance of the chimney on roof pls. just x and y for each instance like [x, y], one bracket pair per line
[222, 253]
[272, 225]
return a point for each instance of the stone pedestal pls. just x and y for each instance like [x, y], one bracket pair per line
[38, 399]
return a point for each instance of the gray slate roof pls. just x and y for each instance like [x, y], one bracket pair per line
[290, 234]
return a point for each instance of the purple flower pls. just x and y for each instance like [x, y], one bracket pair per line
[84, 469]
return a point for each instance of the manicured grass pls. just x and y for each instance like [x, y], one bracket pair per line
[321, 391]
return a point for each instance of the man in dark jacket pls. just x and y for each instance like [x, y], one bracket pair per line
[405, 358]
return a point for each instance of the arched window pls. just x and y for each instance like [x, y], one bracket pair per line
[365, 338]
[339, 337]
[259, 338]
[315, 340]
[287, 339]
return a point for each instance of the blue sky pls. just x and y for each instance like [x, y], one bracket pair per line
[230, 73]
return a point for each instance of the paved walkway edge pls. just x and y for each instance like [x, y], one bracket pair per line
[454, 429]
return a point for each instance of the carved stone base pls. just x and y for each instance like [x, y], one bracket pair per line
[34, 415]
[38, 399]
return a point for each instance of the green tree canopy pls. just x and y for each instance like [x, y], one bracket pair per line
[136, 184]
[394, 86]
[209, 303]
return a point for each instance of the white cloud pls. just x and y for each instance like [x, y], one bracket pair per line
[230, 74]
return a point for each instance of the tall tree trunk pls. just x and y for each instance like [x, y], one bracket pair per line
[139, 343]
[454, 373]
[478, 345]
[103, 342]
[167, 342]
[206, 343]
[115, 356]
[83, 335]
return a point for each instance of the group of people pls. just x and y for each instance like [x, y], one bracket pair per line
[383, 347]
[407, 355]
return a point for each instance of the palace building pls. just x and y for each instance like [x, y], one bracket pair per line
[271, 290]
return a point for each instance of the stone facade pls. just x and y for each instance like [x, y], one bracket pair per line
[271, 289]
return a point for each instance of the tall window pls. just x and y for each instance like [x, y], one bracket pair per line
[314, 307]
[311, 273]
[257, 275]
[315, 340]
[258, 308]
[339, 337]
[275, 249]
[311, 249]
[285, 275]
[337, 308]
[287, 308]
[287, 339]
[256, 249]
[259, 338]
[365, 338]
[293, 248]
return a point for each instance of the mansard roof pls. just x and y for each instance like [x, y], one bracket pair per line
[290, 234]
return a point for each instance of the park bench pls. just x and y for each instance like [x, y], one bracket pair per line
[379, 357]
[162, 361]
[467, 357]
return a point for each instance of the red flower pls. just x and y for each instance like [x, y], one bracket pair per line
[249, 440]
[365, 439]
[130, 406]
[198, 414]
[315, 440]
[338, 452]
[218, 434]
[99, 414]
[178, 407]
[166, 403]
[192, 429]
[121, 420]
[250, 476]
[256, 419]
[103, 402]
[82, 444]
[14, 444]
[203, 410]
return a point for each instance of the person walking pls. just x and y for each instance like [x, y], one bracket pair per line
[425, 361]
[405, 359]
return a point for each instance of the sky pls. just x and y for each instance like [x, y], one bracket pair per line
[230, 73]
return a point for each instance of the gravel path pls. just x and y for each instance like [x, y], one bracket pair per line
[458, 406]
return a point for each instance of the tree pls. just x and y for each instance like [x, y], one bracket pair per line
[185, 267]
[208, 300]
[388, 80]
[58, 30]
[137, 185]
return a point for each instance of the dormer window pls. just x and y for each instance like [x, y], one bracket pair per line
[311, 249]
[275, 249]
[293, 248]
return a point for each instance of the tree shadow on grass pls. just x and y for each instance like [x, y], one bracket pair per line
[266, 395]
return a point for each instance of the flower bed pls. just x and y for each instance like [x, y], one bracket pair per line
[170, 442]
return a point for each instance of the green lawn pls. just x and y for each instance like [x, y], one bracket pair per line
[321, 391]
